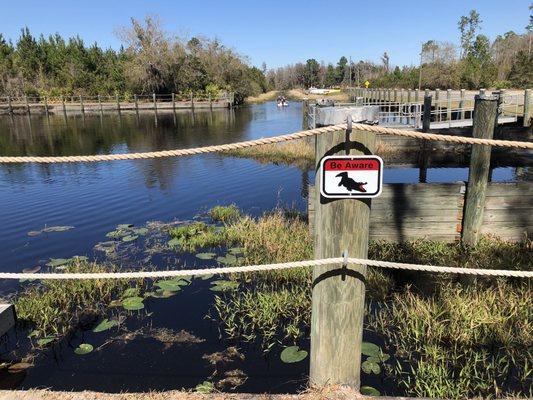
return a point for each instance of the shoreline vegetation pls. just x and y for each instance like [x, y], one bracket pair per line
[442, 336]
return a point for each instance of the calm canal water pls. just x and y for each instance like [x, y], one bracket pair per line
[94, 198]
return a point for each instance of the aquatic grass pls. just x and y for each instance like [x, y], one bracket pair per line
[462, 341]
[195, 235]
[224, 214]
[299, 152]
[54, 308]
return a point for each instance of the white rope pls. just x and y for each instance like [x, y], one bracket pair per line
[267, 267]
[264, 141]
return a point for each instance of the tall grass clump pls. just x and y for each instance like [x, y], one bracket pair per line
[461, 342]
[53, 308]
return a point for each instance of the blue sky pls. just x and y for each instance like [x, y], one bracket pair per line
[276, 32]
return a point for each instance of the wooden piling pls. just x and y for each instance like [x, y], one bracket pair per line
[155, 102]
[9, 105]
[100, 105]
[82, 108]
[485, 114]
[426, 119]
[462, 103]
[27, 104]
[136, 103]
[118, 102]
[192, 101]
[173, 102]
[210, 102]
[338, 292]
[395, 95]
[64, 107]
[528, 112]
[417, 95]
[449, 105]
[46, 106]
[437, 104]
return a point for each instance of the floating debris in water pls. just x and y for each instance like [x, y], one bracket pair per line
[32, 270]
[230, 354]
[233, 379]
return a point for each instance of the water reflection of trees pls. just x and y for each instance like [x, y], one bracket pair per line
[114, 133]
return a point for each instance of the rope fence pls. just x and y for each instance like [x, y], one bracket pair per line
[269, 140]
[267, 267]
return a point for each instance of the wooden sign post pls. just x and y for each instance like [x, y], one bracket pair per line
[339, 291]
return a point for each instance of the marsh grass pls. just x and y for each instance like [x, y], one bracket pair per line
[299, 152]
[461, 342]
[53, 308]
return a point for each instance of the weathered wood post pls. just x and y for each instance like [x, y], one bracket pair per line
[426, 119]
[462, 104]
[155, 103]
[82, 108]
[9, 105]
[210, 102]
[395, 95]
[64, 107]
[528, 113]
[417, 95]
[339, 291]
[437, 104]
[27, 104]
[46, 106]
[173, 102]
[305, 114]
[192, 101]
[485, 114]
[117, 98]
[449, 105]
[100, 105]
[136, 102]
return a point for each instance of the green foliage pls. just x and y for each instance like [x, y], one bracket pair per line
[195, 235]
[54, 66]
[53, 308]
[224, 213]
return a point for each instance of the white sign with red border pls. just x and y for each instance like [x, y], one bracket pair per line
[347, 177]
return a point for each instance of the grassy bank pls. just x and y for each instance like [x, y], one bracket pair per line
[448, 338]
[300, 153]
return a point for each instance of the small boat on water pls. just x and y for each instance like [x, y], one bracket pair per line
[282, 102]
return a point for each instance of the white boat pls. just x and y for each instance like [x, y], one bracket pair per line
[283, 103]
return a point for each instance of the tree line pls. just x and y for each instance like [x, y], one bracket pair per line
[476, 62]
[149, 61]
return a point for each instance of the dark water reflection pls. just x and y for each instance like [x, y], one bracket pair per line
[94, 198]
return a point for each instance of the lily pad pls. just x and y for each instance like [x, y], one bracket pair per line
[205, 277]
[124, 226]
[370, 367]
[169, 284]
[133, 303]
[369, 391]
[293, 354]
[105, 325]
[34, 233]
[56, 262]
[45, 340]
[57, 228]
[130, 238]
[175, 242]
[79, 258]
[163, 294]
[228, 259]
[381, 358]
[131, 292]
[224, 286]
[84, 348]
[205, 256]
[370, 349]
[236, 250]
[32, 270]
[141, 231]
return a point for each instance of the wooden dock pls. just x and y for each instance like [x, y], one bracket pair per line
[434, 211]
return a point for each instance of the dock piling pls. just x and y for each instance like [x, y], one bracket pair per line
[528, 113]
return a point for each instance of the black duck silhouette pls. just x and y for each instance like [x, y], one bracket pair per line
[350, 184]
